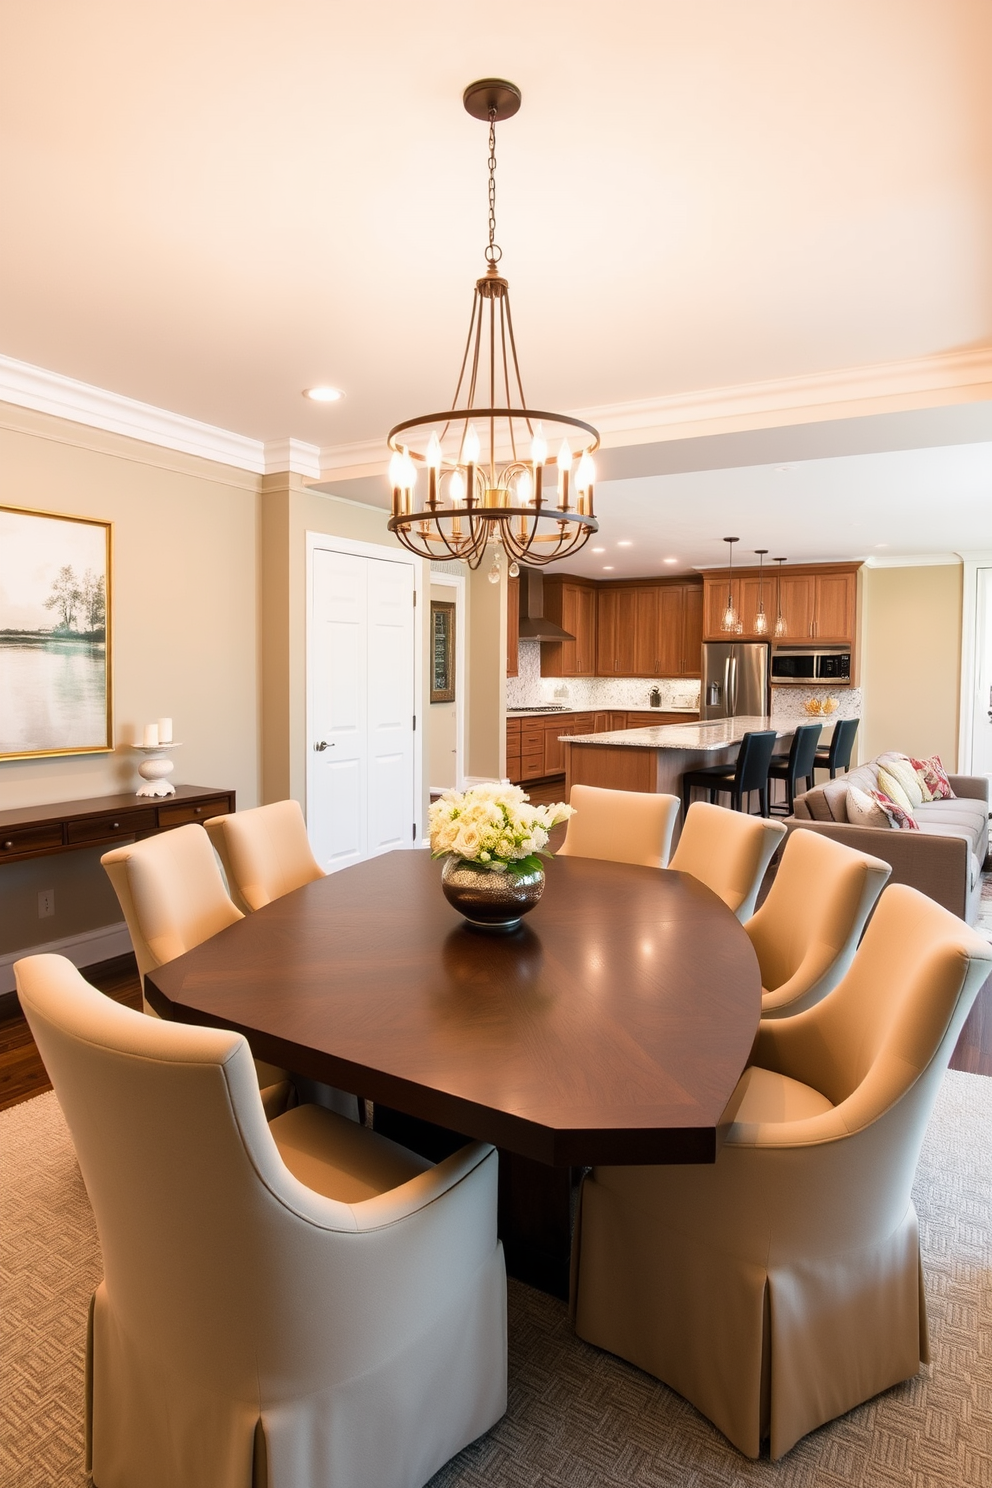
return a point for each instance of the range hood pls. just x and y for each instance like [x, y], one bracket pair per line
[533, 626]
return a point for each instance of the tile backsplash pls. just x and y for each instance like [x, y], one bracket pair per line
[530, 690]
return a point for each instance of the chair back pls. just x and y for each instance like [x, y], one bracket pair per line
[896, 1014]
[728, 851]
[620, 826]
[192, 1201]
[265, 853]
[754, 759]
[171, 892]
[842, 743]
[802, 752]
[806, 932]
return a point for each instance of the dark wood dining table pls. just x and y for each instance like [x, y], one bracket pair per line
[612, 1027]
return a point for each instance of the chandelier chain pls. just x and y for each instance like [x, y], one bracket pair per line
[493, 252]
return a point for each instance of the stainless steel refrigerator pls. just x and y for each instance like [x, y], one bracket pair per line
[736, 680]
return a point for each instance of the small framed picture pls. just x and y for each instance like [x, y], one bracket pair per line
[55, 668]
[442, 652]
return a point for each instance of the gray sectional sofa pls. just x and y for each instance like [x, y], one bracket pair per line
[944, 859]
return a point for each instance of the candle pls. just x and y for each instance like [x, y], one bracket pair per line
[150, 740]
[165, 731]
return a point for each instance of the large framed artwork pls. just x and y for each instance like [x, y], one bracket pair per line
[55, 672]
[442, 651]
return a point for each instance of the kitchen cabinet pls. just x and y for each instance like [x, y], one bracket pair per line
[533, 746]
[616, 633]
[572, 605]
[512, 627]
[692, 630]
[818, 602]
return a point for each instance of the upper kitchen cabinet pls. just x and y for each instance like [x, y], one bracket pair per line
[692, 630]
[616, 633]
[818, 603]
[570, 603]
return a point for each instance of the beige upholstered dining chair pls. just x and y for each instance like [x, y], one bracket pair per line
[728, 852]
[620, 826]
[807, 931]
[298, 1302]
[265, 852]
[173, 899]
[782, 1286]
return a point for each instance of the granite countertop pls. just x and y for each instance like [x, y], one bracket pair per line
[715, 734]
[569, 712]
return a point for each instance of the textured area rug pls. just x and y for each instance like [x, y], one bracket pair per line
[577, 1417]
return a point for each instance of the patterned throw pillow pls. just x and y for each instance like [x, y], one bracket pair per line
[891, 785]
[899, 817]
[902, 771]
[862, 811]
[933, 776]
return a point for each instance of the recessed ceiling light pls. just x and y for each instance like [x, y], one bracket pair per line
[782, 468]
[323, 394]
[625, 542]
[670, 560]
[608, 567]
[597, 550]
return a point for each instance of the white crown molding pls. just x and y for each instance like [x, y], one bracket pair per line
[292, 455]
[25, 386]
[911, 560]
[50, 392]
[884, 387]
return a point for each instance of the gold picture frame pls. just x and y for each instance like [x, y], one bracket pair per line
[442, 651]
[56, 672]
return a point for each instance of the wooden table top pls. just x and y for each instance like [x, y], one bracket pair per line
[611, 1028]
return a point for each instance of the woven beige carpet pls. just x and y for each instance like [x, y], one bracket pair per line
[576, 1417]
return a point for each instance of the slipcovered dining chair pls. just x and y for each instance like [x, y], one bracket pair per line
[301, 1302]
[782, 1286]
[620, 826]
[173, 899]
[807, 931]
[265, 853]
[728, 852]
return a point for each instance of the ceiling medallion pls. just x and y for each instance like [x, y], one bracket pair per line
[486, 461]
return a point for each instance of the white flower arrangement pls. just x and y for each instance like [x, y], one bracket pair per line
[494, 826]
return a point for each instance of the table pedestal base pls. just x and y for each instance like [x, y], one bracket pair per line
[535, 1202]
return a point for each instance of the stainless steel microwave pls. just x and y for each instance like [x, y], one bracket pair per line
[799, 667]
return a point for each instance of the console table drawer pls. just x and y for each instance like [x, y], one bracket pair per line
[119, 824]
[198, 811]
[17, 840]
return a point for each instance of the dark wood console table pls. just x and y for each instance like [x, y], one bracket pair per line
[37, 831]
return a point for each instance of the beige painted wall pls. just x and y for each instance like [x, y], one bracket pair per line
[911, 660]
[485, 727]
[184, 637]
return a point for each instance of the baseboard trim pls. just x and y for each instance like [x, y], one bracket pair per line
[85, 949]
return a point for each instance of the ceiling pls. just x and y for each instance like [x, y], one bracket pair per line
[213, 207]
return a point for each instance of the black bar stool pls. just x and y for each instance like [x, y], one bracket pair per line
[798, 763]
[750, 773]
[837, 755]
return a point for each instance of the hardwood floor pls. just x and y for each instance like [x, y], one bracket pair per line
[22, 1073]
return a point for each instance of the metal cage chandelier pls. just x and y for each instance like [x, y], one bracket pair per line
[486, 463]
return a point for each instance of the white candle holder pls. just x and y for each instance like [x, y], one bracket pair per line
[155, 769]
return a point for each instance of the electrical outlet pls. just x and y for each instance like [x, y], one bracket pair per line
[46, 904]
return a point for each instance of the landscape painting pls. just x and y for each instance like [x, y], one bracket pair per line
[55, 692]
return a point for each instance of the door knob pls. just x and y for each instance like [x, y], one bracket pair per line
[322, 746]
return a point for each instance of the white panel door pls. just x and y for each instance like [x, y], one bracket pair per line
[338, 777]
[361, 788]
[391, 813]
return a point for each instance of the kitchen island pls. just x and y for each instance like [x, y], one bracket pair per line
[655, 759]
